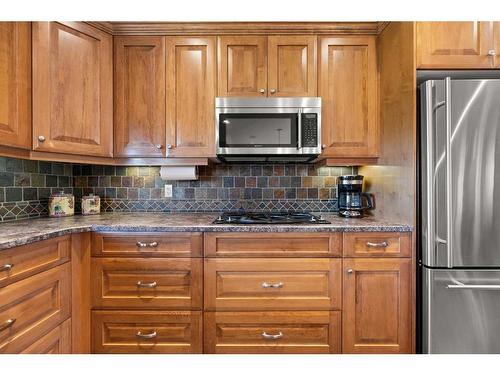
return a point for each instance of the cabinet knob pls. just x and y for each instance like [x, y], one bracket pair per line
[169, 146]
[323, 147]
[349, 270]
[262, 91]
[272, 91]
[41, 138]
[492, 52]
[159, 147]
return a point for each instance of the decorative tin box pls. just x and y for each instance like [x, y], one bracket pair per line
[61, 204]
[91, 204]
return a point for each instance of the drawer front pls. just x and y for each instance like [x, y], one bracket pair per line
[272, 284]
[57, 341]
[23, 261]
[33, 306]
[147, 283]
[146, 332]
[136, 244]
[377, 244]
[273, 244]
[273, 332]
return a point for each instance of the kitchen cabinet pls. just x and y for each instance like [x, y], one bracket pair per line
[139, 91]
[348, 90]
[191, 75]
[271, 66]
[457, 45]
[377, 244]
[15, 84]
[72, 89]
[376, 313]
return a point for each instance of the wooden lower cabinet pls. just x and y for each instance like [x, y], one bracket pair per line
[273, 332]
[57, 341]
[31, 307]
[147, 332]
[377, 306]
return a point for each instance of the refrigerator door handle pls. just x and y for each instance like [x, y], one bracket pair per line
[479, 286]
[447, 93]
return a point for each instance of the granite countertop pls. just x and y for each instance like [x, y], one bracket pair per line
[28, 231]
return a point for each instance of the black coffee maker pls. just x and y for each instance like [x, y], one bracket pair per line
[351, 197]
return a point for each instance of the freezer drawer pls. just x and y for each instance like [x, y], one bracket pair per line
[461, 311]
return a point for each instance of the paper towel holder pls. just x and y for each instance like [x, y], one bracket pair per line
[179, 173]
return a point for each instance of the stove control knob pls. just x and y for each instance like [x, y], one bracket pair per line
[321, 217]
[229, 219]
[313, 219]
[219, 218]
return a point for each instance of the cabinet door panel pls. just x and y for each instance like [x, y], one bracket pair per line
[15, 84]
[72, 89]
[292, 66]
[242, 66]
[190, 96]
[57, 341]
[139, 96]
[348, 88]
[376, 306]
[454, 44]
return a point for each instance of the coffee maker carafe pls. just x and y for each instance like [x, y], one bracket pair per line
[350, 196]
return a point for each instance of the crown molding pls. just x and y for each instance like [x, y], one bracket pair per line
[239, 28]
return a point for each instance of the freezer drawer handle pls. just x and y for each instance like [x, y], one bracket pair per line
[480, 287]
[377, 244]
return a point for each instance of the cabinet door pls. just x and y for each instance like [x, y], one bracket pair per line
[454, 44]
[348, 89]
[376, 306]
[190, 96]
[242, 64]
[139, 96]
[72, 89]
[15, 84]
[57, 341]
[292, 66]
[496, 43]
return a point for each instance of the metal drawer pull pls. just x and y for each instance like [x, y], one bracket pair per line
[146, 244]
[140, 284]
[480, 287]
[268, 336]
[6, 267]
[147, 336]
[271, 285]
[7, 324]
[377, 244]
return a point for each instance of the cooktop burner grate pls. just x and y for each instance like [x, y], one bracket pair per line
[285, 217]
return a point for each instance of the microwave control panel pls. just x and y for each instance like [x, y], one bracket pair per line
[309, 129]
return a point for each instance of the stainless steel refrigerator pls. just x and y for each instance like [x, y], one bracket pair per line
[460, 215]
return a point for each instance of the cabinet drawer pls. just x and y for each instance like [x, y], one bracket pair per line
[135, 244]
[377, 244]
[162, 332]
[23, 261]
[57, 341]
[164, 283]
[34, 306]
[272, 284]
[273, 244]
[273, 332]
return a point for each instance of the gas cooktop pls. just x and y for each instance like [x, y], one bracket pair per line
[272, 217]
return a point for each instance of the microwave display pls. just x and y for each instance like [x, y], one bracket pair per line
[258, 130]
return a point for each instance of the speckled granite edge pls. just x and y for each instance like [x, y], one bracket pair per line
[29, 231]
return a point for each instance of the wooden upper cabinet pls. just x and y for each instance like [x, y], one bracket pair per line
[376, 315]
[72, 89]
[15, 84]
[455, 44]
[139, 111]
[348, 89]
[190, 89]
[292, 66]
[242, 65]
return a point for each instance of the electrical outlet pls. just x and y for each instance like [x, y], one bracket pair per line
[168, 191]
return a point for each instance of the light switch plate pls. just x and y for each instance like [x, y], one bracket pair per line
[168, 191]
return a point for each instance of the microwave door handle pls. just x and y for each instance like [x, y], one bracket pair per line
[299, 129]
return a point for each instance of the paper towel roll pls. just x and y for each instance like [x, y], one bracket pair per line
[179, 173]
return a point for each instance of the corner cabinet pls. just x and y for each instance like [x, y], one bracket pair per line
[271, 66]
[72, 89]
[459, 45]
[139, 111]
[348, 88]
[191, 87]
[15, 84]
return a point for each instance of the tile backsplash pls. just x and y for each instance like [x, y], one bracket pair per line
[26, 185]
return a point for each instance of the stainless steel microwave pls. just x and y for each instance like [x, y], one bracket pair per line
[268, 129]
